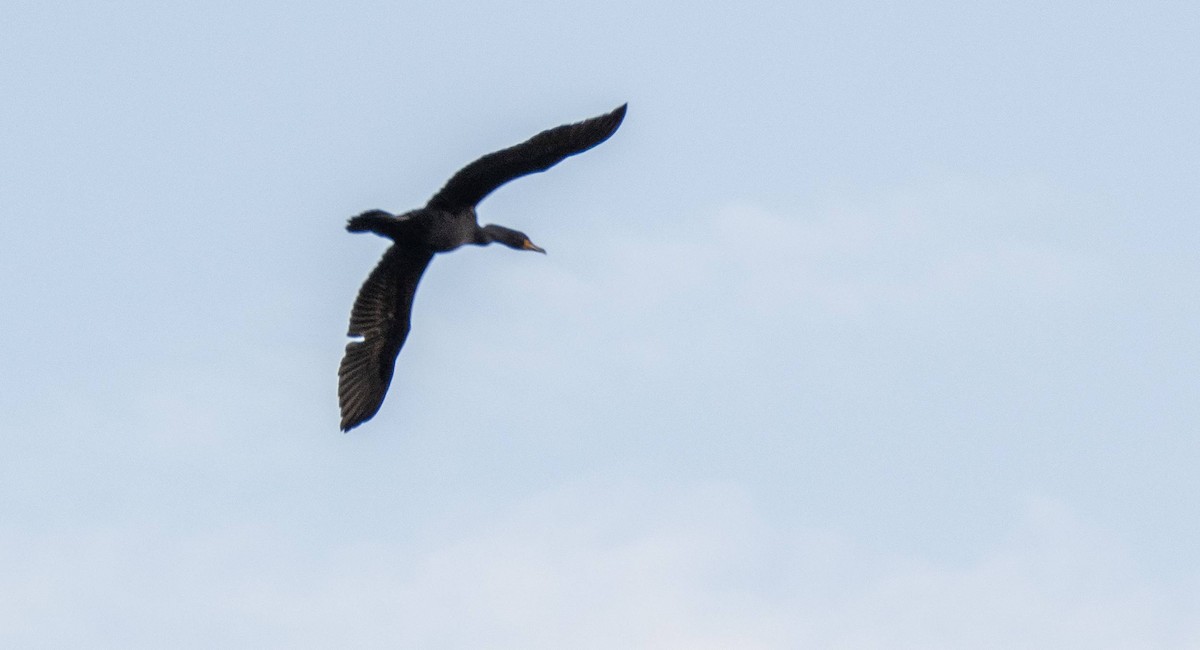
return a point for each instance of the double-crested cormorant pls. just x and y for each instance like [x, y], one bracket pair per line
[381, 313]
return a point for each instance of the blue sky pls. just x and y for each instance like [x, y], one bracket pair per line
[874, 326]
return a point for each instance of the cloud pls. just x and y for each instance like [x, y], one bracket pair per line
[590, 565]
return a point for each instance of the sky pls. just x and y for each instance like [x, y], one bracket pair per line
[874, 326]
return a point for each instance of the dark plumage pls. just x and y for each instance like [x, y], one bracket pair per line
[381, 313]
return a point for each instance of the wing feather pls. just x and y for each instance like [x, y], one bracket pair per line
[541, 152]
[381, 315]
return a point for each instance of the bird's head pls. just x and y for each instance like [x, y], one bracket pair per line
[514, 239]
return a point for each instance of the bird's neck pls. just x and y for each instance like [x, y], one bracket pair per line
[491, 233]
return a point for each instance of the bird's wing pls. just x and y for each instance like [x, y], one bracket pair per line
[539, 153]
[381, 315]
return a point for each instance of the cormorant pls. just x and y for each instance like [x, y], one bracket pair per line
[381, 313]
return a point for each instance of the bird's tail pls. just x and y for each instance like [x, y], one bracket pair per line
[379, 222]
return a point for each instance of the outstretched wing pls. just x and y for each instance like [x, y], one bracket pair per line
[381, 315]
[539, 153]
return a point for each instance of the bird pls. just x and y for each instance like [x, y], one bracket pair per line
[381, 316]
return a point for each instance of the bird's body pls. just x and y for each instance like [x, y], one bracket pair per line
[381, 313]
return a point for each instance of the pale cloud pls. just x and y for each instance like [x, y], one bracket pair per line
[592, 565]
[929, 248]
[943, 245]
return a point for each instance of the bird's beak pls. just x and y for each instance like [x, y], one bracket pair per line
[529, 246]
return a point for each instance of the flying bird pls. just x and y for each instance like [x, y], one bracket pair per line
[382, 312]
